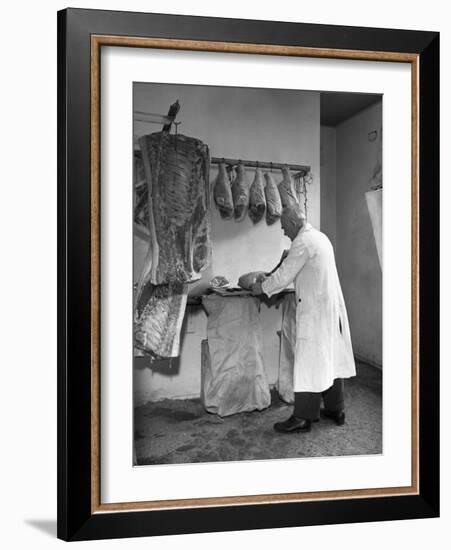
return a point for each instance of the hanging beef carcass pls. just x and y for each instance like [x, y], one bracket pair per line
[222, 193]
[286, 189]
[257, 201]
[176, 170]
[273, 202]
[240, 192]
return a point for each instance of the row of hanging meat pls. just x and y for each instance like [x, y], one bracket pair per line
[237, 196]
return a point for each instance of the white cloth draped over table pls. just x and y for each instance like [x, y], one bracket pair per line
[323, 348]
[233, 372]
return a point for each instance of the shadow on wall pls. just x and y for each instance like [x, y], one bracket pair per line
[165, 367]
[46, 526]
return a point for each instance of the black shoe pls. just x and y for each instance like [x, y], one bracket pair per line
[293, 424]
[337, 416]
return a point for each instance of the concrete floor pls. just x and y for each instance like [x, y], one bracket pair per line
[181, 431]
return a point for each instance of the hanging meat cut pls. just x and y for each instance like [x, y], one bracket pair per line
[286, 189]
[222, 193]
[159, 316]
[273, 202]
[177, 169]
[240, 192]
[257, 201]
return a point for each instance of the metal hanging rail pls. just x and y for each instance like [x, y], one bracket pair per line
[300, 168]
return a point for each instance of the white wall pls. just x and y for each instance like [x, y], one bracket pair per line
[357, 261]
[329, 183]
[252, 124]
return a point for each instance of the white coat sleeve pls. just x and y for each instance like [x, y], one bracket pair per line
[291, 266]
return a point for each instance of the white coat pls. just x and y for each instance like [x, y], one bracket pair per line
[323, 349]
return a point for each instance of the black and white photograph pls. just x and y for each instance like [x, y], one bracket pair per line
[257, 270]
[225, 305]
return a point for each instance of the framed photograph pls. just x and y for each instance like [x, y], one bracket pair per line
[248, 274]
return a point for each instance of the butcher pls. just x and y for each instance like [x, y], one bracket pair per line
[323, 354]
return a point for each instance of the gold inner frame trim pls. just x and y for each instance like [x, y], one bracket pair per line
[97, 41]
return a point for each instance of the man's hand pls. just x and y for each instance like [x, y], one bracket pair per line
[257, 289]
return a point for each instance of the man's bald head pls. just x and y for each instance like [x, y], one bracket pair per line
[292, 220]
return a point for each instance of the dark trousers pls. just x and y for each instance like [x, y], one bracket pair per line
[307, 404]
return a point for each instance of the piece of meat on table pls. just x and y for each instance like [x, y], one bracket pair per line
[248, 279]
[273, 202]
[159, 316]
[286, 189]
[219, 282]
[177, 170]
[257, 201]
[222, 193]
[240, 192]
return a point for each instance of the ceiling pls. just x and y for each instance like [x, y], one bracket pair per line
[339, 106]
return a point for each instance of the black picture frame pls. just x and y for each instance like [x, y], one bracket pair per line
[76, 520]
